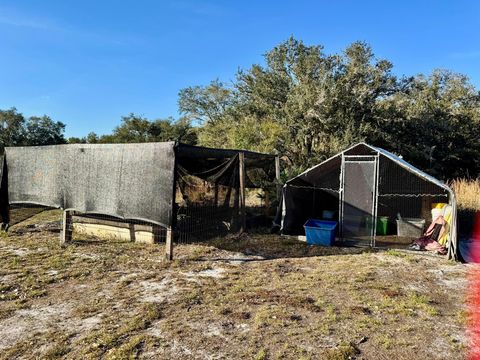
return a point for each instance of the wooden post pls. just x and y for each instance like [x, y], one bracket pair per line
[131, 228]
[426, 209]
[67, 227]
[241, 173]
[277, 177]
[169, 245]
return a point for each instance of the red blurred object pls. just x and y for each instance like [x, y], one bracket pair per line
[475, 254]
[473, 296]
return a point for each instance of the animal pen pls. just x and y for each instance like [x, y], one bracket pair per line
[374, 196]
[152, 192]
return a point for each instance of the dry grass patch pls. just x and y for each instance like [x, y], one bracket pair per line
[467, 193]
[257, 296]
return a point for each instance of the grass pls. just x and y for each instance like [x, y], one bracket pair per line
[253, 297]
[468, 198]
[467, 193]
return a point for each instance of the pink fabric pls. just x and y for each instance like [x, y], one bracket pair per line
[428, 244]
[438, 220]
[425, 242]
[435, 246]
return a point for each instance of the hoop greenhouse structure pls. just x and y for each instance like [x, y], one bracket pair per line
[365, 187]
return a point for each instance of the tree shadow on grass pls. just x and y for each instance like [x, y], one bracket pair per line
[263, 246]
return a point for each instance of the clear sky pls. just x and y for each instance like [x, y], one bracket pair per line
[87, 63]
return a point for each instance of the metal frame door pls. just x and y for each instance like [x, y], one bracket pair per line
[372, 212]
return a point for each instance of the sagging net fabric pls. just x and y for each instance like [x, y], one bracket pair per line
[127, 181]
[208, 195]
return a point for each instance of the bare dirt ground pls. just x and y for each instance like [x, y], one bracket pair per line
[253, 297]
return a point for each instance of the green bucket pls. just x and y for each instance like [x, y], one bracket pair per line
[382, 224]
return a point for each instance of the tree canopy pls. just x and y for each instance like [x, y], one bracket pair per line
[16, 130]
[135, 129]
[308, 105]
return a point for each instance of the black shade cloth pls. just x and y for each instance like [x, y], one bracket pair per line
[4, 216]
[394, 179]
[214, 171]
[218, 165]
[130, 181]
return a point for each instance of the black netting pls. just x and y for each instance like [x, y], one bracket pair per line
[136, 190]
[303, 203]
[325, 175]
[396, 180]
[358, 199]
[408, 207]
[361, 149]
[208, 195]
[4, 216]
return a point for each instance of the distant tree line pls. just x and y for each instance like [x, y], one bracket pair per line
[16, 130]
[135, 129]
[307, 106]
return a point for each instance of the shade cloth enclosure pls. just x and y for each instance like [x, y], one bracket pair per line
[128, 181]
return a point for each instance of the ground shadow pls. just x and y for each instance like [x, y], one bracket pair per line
[262, 245]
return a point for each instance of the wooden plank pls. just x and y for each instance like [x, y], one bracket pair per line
[241, 173]
[113, 223]
[169, 245]
[115, 233]
[67, 230]
[426, 210]
[98, 221]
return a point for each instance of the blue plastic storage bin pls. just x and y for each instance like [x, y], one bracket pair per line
[320, 232]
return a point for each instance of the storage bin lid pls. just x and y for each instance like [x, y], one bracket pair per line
[320, 224]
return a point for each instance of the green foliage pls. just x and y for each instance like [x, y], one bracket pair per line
[12, 127]
[137, 129]
[436, 124]
[16, 130]
[308, 105]
[205, 104]
[44, 131]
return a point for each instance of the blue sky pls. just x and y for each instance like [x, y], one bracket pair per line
[87, 63]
